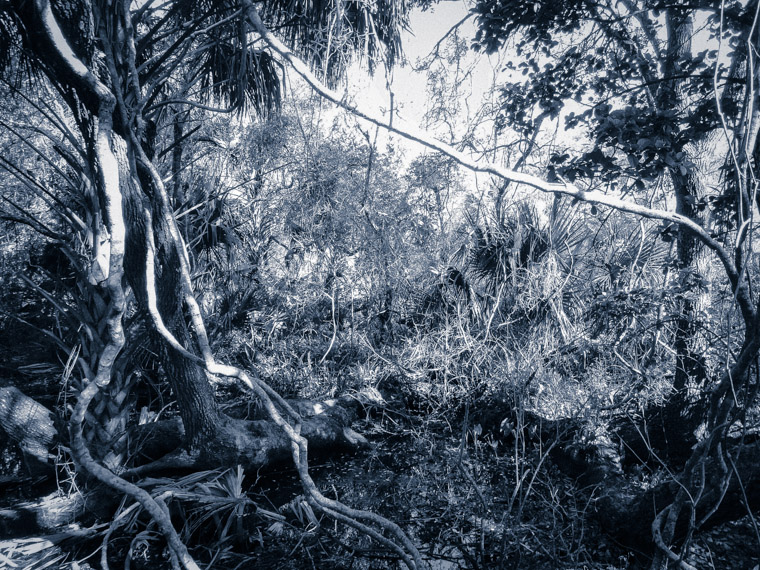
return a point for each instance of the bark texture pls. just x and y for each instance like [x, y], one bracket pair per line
[252, 443]
[28, 423]
[626, 511]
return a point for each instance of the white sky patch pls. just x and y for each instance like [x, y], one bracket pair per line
[474, 74]
[410, 87]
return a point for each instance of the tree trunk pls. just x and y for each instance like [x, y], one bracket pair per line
[30, 424]
[195, 397]
[672, 427]
[254, 444]
[626, 512]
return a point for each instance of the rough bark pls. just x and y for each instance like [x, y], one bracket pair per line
[626, 511]
[195, 397]
[672, 426]
[197, 404]
[30, 424]
[254, 444]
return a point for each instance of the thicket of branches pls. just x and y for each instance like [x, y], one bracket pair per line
[181, 245]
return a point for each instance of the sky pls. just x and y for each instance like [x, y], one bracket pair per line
[473, 74]
[409, 86]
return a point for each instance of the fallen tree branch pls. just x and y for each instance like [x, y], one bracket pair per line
[262, 443]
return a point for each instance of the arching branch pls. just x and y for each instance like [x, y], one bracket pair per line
[738, 285]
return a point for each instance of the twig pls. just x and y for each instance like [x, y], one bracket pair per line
[334, 322]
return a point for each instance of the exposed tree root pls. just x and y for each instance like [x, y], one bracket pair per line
[621, 502]
[112, 203]
[154, 507]
[278, 409]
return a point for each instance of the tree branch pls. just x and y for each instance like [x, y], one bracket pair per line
[590, 196]
[109, 180]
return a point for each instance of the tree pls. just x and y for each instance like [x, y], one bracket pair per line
[126, 74]
[119, 69]
[653, 104]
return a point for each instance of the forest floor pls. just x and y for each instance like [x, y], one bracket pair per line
[450, 484]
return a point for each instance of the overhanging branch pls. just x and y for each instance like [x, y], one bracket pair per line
[564, 188]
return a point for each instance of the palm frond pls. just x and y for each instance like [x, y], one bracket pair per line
[503, 246]
[242, 79]
[327, 33]
[567, 228]
[16, 62]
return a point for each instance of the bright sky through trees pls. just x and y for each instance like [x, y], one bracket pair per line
[467, 79]
[409, 84]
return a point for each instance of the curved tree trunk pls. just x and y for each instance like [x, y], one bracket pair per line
[672, 426]
[197, 405]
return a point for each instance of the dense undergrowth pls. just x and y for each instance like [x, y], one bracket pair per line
[496, 354]
[456, 455]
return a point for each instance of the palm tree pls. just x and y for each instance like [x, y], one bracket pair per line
[506, 251]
